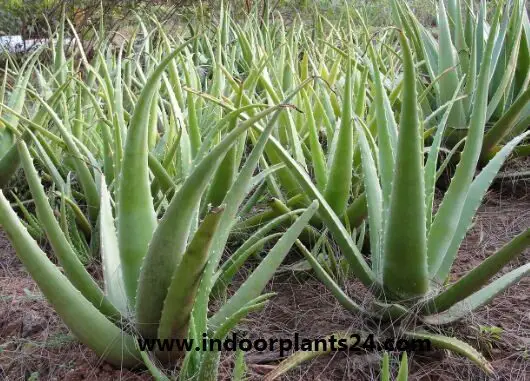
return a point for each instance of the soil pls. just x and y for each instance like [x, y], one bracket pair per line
[34, 342]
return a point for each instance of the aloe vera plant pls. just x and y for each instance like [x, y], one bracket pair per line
[148, 158]
[158, 274]
[412, 245]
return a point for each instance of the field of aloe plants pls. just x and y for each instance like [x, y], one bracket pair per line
[269, 175]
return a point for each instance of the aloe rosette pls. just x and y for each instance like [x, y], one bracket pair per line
[412, 245]
[158, 274]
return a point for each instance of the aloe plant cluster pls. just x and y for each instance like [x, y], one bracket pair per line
[453, 60]
[153, 154]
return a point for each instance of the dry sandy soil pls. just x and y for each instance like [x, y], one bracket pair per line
[33, 341]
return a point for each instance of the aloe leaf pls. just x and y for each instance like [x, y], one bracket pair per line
[507, 69]
[432, 158]
[233, 200]
[48, 162]
[455, 11]
[259, 278]
[486, 294]
[500, 41]
[237, 260]
[9, 160]
[107, 340]
[119, 108]
[85, 177]
[374, 200]
[74, 269]
[161, 175]
[448, 158]
[240, 368]
[223, 179]
[227, 170]
[152, 368]
[505, 124]
[136, 216]
[404, 254]
[337, 190]
[264, 174]
[32, 222]
[477, 277]
[110, 253]
[386, 136]
[356, 211]
[480, 33]
[454, 345]
[16, 102]
[186, 279]
[258, 235]
[330, 219]
[317, 155]
[476, 192]
[447, 59]
[445, 222]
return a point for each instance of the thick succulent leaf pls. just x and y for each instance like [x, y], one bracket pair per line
[183, 288]
[477, 277]
[374, 200]
[74, 269]
[454, 345]
[9, 159]
[386, 134]
[157, 374]
[500, 41]
[223, 178]
[480, 298]
[210, 361]
[505, 124]
[85, 177]
[432, 158]
[403, 373]
[445, 222]
[48, 161]
[237, 260]
[136, 215]
[480, 33]
[358, 264]
[16, 102]
[447, 59]
[110, 253]
[448, 158]
[107, 340]
[338, 185]
[317, 155]
[476, 192]
[404, 261]
[507, 70]
[385, 368]
[240, 368]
